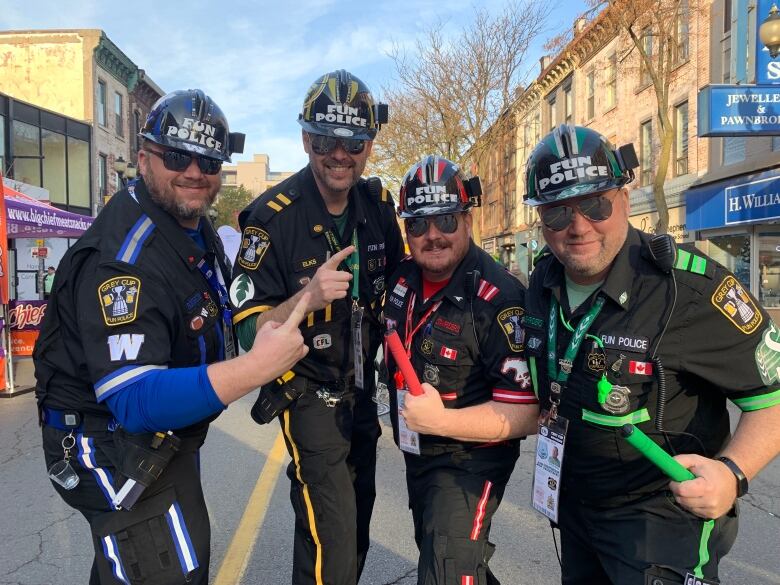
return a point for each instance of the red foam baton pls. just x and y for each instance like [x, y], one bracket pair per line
[400, 357]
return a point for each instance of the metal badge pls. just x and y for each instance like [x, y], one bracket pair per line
[427, 346]
[565, 365]
[431, 374]
[618, 400]
[597, 362]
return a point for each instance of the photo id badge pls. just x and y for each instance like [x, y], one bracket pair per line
[408, 440]
[547, 469]
[357, 343]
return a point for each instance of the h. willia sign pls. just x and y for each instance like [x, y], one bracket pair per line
[739, 110]
[752, 201]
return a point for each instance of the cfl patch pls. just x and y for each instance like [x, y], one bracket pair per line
[509, 320]
[735, 303]
[119, 299]
[254, 244]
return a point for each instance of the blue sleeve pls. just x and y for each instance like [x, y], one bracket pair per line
[166, 399]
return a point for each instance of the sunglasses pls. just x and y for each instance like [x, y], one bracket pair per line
[417, 226]
[560, 217]
[178, 161]
[324, 144]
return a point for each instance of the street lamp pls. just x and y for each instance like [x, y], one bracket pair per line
[769, 32]
[125, 170]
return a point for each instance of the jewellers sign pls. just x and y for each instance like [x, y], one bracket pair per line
[739, 110]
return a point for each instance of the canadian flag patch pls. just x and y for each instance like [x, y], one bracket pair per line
[641, 368]
[448, 353]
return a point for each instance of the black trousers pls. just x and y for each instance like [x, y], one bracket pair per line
[332, 485]
[453, 497]
[164, 540]
[650, 541]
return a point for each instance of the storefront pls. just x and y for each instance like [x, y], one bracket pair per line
[737, 223]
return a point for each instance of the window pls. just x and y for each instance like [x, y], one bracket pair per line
[646, 153]
[553, 113]
[681, 139]
[647, 48]
[118, 118]
[611, 93]
[726, 16]
[591, 98]
[102, 175]
[54, 166]
[726, 61]
[681, 37]
[26, 141]
[775, 141]
[101, 103]
[568, 105]
[137, 129]
[78, 173]
[733, 150]
[3, 167]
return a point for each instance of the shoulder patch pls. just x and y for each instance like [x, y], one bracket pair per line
[270, 203]
[254, 244]
[768, 355]
[689, 262]
[509, 320]
[119, 299]
[241, 290]
[731, 299]
[487, 291]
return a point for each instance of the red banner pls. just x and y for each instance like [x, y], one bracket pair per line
[3, 246]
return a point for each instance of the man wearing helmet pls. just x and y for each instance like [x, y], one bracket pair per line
[627, 329]
[458, 315]
[328, 232]
[128, 362]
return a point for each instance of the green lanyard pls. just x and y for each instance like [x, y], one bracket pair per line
[559, 377]
[353, 262]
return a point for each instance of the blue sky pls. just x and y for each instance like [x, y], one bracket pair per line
[257, 59]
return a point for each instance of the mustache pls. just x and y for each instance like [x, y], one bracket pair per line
[193, 184]
[436, 244]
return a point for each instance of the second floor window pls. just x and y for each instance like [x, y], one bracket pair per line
[591, 103]
[611, 94]
[681, 139]
[101, 103]
[681, 45]
[646, 153]
[118, 117]
[102, 175]
[647, 49]
[568, 102]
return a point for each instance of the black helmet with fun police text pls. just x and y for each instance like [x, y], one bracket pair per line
[572, 161]
[339, 104]
[435, 186]
[190, 120]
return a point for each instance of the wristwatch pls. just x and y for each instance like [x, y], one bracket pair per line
[742, 482]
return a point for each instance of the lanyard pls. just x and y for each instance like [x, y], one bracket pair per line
[411, 330]
[210, 274]
[353, 262]
[559, 377]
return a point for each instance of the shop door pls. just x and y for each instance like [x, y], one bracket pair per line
[769, 272]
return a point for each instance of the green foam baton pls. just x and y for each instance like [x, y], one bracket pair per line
[647, 447]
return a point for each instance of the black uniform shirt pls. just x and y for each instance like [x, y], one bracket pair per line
[470, 347]
[714, 332]
[129, 299]
[283, 244]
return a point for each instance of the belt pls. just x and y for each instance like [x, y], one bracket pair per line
[340, 385]
[72, 420]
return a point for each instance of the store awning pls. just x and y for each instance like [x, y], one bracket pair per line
[30, 218]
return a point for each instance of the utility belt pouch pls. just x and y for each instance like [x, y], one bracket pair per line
[275, 398]
[144, 457]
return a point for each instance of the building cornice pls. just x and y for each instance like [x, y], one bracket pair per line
[113, 60]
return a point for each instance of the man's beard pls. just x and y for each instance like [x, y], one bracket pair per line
[164, 196]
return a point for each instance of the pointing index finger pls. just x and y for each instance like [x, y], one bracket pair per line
[338, 257]
[298, 313]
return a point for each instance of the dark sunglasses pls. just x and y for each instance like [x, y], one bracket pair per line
[446, 224]
[560, 217]
[324, 144]
[177, 161]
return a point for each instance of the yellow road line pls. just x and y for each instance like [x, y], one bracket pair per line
[237, 556]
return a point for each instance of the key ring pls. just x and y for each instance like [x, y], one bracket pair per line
[68, 442]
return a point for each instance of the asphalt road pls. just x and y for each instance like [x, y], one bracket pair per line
[44, 542]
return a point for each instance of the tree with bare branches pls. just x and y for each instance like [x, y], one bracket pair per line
[449, 91]
[658, 32]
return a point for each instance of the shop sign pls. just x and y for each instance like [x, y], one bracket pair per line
[767, 68]
[739, 110]
[24, 321]
[756, 200]
[677, 228]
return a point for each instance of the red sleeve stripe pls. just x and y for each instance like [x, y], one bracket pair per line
[448, 395]
[479, 517]
[513, 396]
[486, 290]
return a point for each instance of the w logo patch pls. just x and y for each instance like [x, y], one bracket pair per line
[125, 347]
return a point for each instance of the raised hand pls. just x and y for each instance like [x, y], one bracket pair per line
[329, 283]
[280, 345]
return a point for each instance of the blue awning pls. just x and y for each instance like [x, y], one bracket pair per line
[744, 199]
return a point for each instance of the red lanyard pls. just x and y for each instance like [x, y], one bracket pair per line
[410, 331]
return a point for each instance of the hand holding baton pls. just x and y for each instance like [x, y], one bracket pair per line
[647, 447]
[399, 355]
